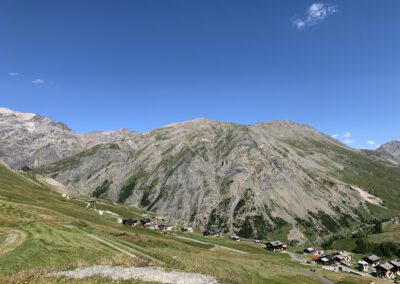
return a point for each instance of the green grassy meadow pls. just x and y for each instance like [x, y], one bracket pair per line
[58, 234]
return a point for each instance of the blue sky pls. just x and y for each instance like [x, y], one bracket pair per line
[143, 64]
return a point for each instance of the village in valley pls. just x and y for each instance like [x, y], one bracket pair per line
[340, 261]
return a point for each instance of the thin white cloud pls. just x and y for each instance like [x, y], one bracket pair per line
[349, 141]
[13, 73]
[315, 14]
[38, 81]
[335, 136]
[371, 142]
[347, 134]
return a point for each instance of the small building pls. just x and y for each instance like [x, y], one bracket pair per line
[327, 260]
[343, 256]
[315, 251]
[385, 270]
[187, 230]
[372, 260]
[214, 232]
[165, 227]
[235, 238]
[309, 250]
[276, 246]
[363, 265]
[129, 222]
[318, 252]
[396, 267]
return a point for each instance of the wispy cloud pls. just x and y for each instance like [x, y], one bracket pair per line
[335, 136]
[371, 142]
[38, 81]
[347, 134]
[315, 14]
[13, 73]
[349, 141]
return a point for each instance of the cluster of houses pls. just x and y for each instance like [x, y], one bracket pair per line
[389, 270]
[146, 223]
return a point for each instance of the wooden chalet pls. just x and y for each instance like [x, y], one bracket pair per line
[276, 246]
[372, 260]
[343, 256]
[396, 267]
[326, 260]
[214, 232]
[384, 270]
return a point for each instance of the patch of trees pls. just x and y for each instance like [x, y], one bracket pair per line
[386, 249]
[100, 190]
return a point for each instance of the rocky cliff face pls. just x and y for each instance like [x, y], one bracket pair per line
[269, 179]
[281, 178]
[30, 140]
[390, 151]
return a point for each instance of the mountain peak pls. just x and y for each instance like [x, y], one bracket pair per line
[20, 115]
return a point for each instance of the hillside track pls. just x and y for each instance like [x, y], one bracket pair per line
[13, 239]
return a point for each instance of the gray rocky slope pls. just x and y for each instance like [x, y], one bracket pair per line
[390, 151]
[269, 179]
[31, 140]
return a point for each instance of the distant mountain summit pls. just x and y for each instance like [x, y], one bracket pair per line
[390, 151]
[30, 140]
[268, 180]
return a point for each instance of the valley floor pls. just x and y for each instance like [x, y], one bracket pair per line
[42, 234]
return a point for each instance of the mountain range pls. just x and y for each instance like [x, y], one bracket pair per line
[278, 179]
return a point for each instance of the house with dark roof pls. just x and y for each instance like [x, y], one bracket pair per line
[372, 260]
[326, 260]
[396, 267]
[385, 270]
[214, 232]
[276, 246]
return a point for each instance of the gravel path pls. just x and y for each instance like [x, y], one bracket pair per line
[156, 274]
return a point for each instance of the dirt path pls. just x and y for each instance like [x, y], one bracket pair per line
[131, 252]
[215, 246]
[155, 274]
[13, 239]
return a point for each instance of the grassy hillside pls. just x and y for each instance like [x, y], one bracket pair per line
[57, 234]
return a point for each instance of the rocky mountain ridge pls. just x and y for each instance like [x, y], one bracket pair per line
[30, 140]
[390, 151]
[278, 179]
